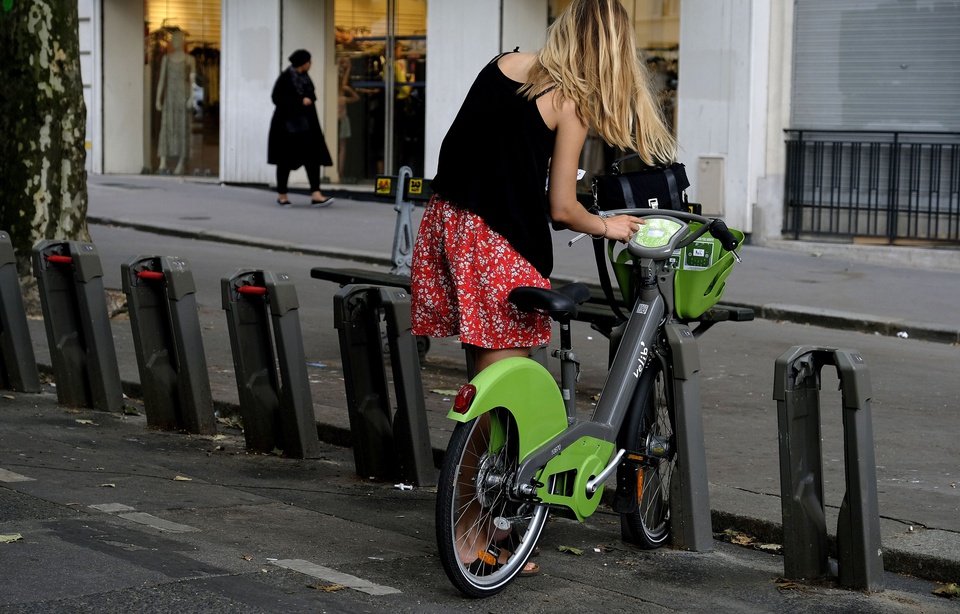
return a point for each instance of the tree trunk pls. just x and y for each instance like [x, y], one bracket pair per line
[43, 180]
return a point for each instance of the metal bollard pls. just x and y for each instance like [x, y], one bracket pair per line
[386, 445]
[277, 409]
[75, 316]
[18, 364]
[166, 333]
[796, 386]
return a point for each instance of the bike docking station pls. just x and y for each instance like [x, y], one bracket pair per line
[265, 337]
[805, 549]
[84, 360]
[18, 364]
[175, 383]
[386, 444]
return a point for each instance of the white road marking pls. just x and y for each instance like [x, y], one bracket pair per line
[112, 508]
[157, 523]
[9, 476]
[334, 576]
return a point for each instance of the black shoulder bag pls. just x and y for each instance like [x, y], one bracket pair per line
[658, 187]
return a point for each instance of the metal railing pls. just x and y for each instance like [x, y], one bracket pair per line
[892, 187]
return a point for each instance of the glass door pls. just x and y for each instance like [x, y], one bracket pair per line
[381, 68]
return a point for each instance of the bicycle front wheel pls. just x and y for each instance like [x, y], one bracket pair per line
[484, 536]
[653, 439]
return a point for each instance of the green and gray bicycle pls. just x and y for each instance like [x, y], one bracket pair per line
[519, 448]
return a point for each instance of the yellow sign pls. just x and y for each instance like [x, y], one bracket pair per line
[384, 186]
[415, 186]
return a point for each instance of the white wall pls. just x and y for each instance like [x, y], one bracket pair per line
[524, 25]
[89, 14]
[722, 103]
[768, 214]
[250, 62]
[123, 99]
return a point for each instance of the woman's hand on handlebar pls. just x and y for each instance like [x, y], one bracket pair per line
[622, 227]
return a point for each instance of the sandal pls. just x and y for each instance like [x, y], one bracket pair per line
[530, 569]
[512, 542]
[316, 204]
[283, 203]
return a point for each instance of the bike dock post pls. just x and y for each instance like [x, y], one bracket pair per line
[805, 551]
[690, 524]
[18, 364]
[386, 445]
[166, 332]
[84, 360]
[277, 410]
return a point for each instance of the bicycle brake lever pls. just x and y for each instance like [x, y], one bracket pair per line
[575, 239]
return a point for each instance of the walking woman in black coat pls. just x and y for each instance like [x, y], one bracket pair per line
[295, 136]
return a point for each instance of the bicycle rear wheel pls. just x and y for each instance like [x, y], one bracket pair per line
[483, 536]
[652, 437]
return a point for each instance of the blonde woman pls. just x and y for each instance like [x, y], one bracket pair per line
[487, 229]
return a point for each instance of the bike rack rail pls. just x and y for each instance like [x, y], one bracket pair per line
[18, 364]
[805, 552]
[161, 296]
[277, 409]
[386, 444]
[70, 280]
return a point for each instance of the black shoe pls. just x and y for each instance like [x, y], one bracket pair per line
[283, 203]
[319, 204]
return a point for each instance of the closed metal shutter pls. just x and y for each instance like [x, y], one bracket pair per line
[888, 65]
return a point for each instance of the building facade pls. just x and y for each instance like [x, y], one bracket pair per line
[390, 76]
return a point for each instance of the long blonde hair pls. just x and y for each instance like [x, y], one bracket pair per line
[591, 56]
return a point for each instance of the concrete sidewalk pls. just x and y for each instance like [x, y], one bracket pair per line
[893, 292]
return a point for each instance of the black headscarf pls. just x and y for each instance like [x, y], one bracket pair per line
[299, 57]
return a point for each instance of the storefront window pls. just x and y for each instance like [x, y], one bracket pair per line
[381, 55]
[183, 67]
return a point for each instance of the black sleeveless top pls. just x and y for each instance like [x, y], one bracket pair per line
[494, 160]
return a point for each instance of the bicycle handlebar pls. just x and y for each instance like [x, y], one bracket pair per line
[715, 226]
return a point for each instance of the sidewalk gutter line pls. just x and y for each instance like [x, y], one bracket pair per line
[890, 327]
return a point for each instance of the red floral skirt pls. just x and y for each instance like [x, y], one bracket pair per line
[461, 276]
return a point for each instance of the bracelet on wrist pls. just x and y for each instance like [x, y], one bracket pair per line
[605, 229]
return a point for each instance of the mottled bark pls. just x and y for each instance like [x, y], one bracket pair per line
[43, 187]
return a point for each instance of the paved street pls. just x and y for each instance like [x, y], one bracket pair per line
[267, 507]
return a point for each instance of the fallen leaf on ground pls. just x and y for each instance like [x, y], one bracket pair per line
[108, 486]
[85, 421]
[12, 537]
[570, 549]
[948, 590]
[246, 557]
[328, 588]
[787, 585]
[180, 478]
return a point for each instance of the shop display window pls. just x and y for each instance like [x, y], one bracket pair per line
[381, 68]
[182, 68]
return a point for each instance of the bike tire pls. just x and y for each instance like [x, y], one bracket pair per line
[653, 438]
[472, 497]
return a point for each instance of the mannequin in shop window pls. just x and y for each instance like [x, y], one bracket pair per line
[175, 103]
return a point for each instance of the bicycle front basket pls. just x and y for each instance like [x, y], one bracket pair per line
[701, 273]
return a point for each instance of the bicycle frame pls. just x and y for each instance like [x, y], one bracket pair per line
[565, 460]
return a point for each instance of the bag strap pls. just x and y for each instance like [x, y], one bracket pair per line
[605, 281]
[627, 192]
[672, 186]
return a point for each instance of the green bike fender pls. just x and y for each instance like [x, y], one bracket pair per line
[528, 391]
